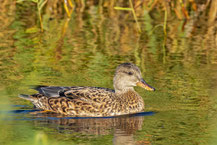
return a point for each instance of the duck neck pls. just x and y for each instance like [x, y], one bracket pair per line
[120, 91]
[120, 86]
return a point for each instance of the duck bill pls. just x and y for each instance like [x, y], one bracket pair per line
[143, 84]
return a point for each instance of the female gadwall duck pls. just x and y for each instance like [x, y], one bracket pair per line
[95, 101]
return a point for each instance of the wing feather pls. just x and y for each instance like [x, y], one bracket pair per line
[90, 94]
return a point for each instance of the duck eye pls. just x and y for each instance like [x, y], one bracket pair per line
[130, 73]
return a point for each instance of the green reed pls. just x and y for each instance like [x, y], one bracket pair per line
[67, 4]
[133, 11]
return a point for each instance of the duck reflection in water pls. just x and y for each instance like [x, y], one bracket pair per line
[123, 127]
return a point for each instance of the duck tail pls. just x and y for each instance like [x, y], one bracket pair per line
[26, 97]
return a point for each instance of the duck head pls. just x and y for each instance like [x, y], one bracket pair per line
[128, 75]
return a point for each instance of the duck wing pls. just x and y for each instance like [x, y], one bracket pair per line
[89, 94]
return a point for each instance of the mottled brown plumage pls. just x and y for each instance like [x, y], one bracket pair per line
[95, 101]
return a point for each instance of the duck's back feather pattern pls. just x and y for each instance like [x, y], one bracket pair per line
[86, 101]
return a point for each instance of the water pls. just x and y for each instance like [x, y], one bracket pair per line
[85, 50]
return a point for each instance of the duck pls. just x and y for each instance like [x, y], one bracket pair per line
[79, 101]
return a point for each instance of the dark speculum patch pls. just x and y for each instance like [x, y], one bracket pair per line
[61, 93]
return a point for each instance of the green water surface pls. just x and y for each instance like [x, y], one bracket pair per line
[84, 51]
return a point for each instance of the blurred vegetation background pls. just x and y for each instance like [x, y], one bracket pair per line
[166, 18]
